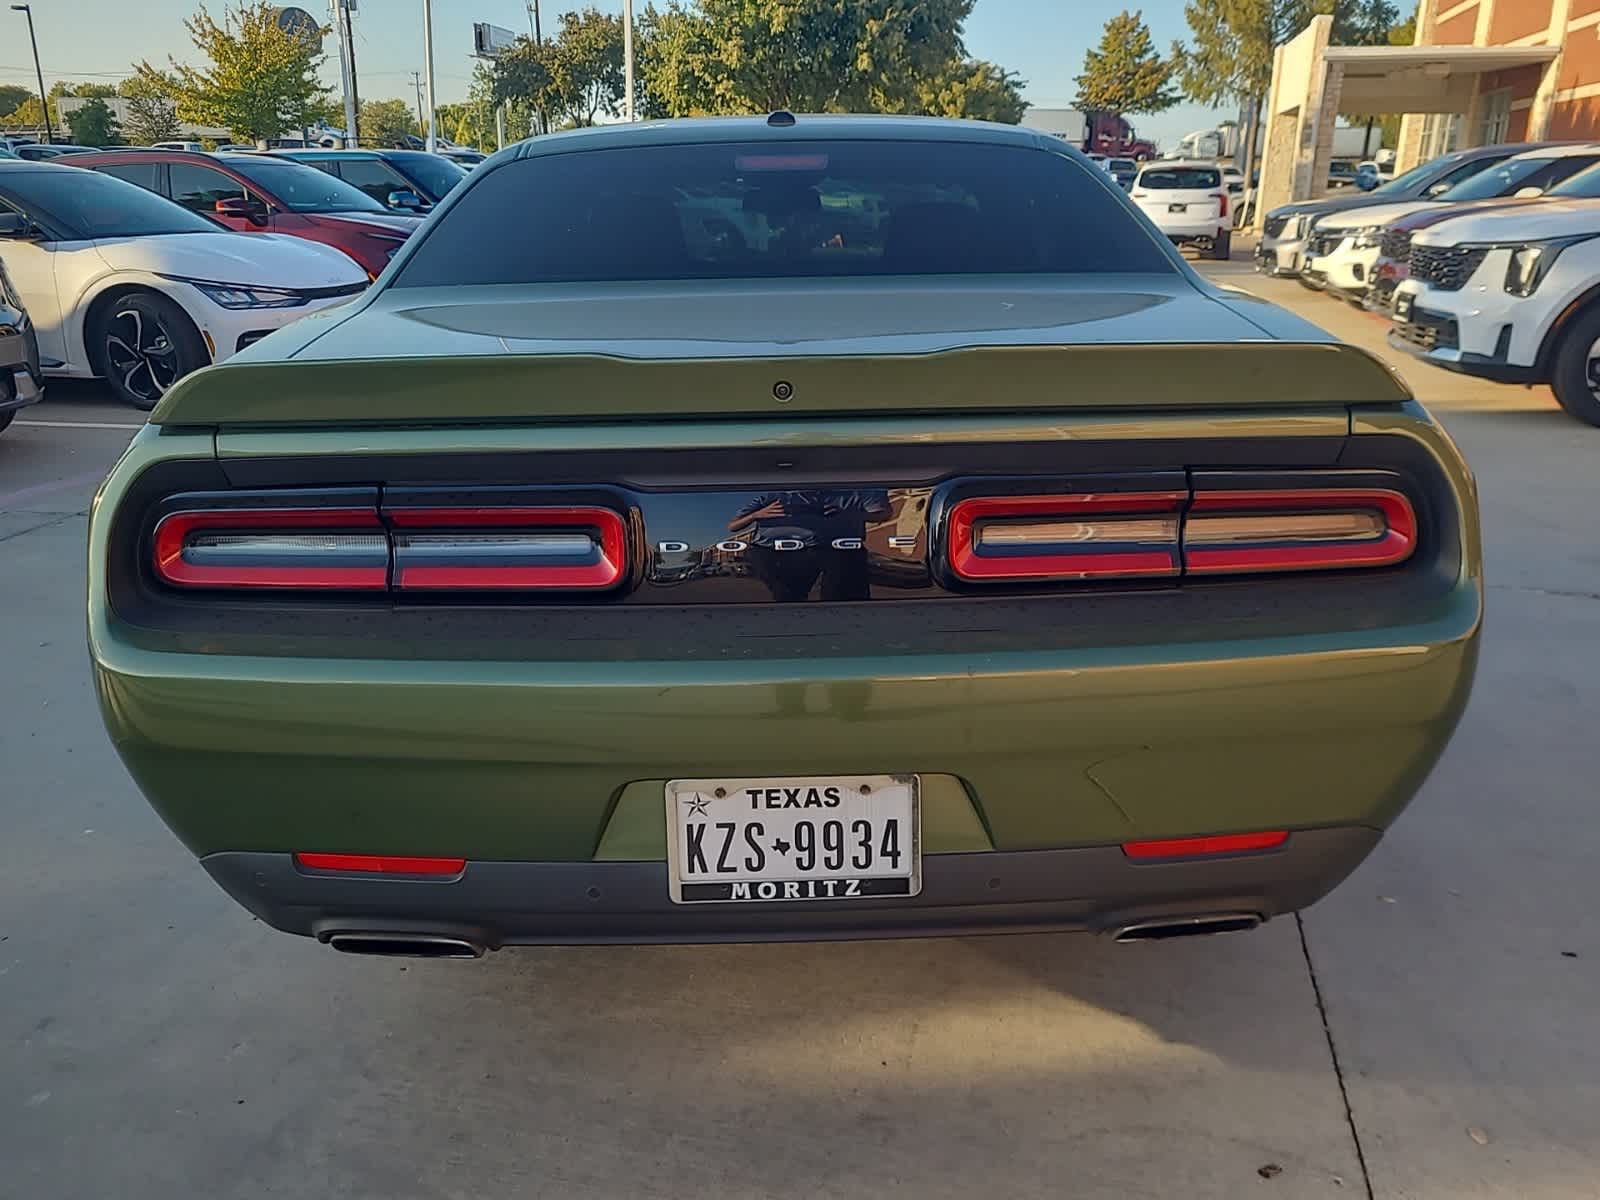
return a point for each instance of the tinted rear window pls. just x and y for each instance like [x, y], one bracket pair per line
[1181, 177]
[790, 210]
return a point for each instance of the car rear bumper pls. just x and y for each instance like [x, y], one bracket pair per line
[495, 904]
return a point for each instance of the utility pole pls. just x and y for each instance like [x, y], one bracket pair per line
[44, 101]
[627, 60]
[416, 82]
[533, 23]
[336, 7]
[354, 104]
[427, 66]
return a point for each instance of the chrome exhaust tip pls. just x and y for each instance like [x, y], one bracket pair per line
[401, 944]
[1180, 927]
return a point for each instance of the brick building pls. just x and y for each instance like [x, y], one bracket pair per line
[1479, 72]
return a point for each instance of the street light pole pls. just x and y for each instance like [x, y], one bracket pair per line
[44, 101]
[627, 60]
[427, 66]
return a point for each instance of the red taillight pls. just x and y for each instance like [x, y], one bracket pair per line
[1240, 531]
[321, 548]
[1087, 536]
[1201, 847]
[1222, 204]
[546, 548]
[381, 864]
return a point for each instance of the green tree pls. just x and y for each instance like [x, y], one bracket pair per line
[1127, 74]
[13, 97]
[27, 115]
[94, 124]
[573, 77]
[151, 119]
[386, 122]
[262, 80]
[752, 56]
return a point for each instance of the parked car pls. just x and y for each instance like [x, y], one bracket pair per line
[124, 285]
[190, 147]
[21, 381]
[262, 193]
[1342, 175]
[1286, 227]
[1394, 250]
[1188, 203]
[403, 179]
[1343, 248]
[465, 159]
[501, 621]
[39, 152]
[5, 152]
[1510, 294]
[1123, 170]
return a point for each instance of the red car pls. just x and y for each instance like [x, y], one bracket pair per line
[258, 193]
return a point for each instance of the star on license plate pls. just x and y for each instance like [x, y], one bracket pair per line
[815, 837]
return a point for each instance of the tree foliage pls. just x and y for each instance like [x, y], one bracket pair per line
[1127, 74]
[94, 124]
[753, 56]
[13, 97]
[387, 122]
[573, 77]
[262, 79]
[150, 119]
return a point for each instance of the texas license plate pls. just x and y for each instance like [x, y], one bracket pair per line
[822, 837]
[1404, 302]
[1177, 208]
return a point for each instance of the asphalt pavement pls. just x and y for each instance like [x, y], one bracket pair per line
[1426, 1032]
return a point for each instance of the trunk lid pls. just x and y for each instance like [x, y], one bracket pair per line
[611, 352]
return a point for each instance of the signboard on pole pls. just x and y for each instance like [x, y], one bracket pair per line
[491, 41]
[299, 23]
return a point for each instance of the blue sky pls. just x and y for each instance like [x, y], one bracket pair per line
[82, 40]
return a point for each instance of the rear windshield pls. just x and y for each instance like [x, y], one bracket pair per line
[795, 210]
[1187, 178]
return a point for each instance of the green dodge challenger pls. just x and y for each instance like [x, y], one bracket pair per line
[775, 528]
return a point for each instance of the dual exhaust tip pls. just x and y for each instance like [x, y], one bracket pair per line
[383, 943]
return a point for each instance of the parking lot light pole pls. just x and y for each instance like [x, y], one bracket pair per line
[627, 60]
[38, 71]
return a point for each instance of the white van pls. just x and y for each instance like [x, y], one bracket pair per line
[1189, 203]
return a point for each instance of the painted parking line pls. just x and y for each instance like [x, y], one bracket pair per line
[25, 496]
[82, 424]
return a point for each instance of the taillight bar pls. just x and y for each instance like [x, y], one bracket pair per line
[550, 548]
[1144, 535]
[1235, 532]
[1091, 535]
[1213, 845]
[544, 548]
[316, 548]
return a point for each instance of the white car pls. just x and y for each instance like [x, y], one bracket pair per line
[193, 147]
[127, 286]
[1188, 202]
[1510, 294]
[1344, 247]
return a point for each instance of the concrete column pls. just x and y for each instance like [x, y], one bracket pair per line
[1545, 98]
[1309, 142]
[1408, 150]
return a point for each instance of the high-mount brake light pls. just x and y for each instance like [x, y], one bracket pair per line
[1231, 531]
[340, 549]
[1096, 535]
[555, 548]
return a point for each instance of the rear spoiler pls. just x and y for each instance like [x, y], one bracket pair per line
[500, 389]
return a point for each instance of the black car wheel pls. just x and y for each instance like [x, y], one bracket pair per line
[1222, 246]
[146, 343]
[1575, 378]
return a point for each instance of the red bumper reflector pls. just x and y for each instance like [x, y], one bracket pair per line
[1199, 847]
[1092, 535]
[273, 548]
[381, 864]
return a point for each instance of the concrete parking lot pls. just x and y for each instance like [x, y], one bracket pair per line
[1428, 1031]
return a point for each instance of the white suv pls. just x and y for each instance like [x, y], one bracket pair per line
[1344, 247]
[1188, 202]
[1510, 294]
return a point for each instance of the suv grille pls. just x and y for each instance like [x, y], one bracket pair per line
[1274, 226]
[1326, 243]
[1446, 267]
[1396, 244]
